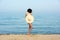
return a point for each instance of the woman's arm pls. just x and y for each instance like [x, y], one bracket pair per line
[25, 15]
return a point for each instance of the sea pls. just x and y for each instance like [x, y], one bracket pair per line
[15, 23]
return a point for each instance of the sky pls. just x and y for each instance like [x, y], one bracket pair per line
[35, 5]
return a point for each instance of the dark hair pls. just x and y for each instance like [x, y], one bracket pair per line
[29, 10]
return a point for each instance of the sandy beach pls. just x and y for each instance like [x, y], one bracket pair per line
[31, 37]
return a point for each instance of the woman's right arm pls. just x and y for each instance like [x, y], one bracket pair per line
[25, 15]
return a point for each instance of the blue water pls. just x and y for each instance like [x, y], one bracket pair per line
[44, 23]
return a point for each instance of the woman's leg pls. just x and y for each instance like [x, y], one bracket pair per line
[30, 28]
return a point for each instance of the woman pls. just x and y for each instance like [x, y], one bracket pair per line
[29, 19]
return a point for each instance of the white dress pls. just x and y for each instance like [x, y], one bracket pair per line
[29, 18]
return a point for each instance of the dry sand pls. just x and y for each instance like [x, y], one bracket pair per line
[31, 37]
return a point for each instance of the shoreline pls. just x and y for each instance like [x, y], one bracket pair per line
[31, 34]
[31, 37]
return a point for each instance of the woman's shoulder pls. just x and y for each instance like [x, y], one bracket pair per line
[28, 14]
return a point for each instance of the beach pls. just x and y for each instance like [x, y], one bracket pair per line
[30, 37]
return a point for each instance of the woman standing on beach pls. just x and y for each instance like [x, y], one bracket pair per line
[29, 19]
